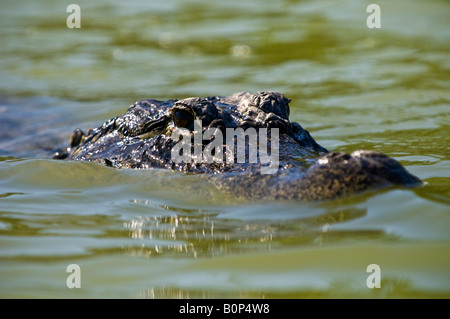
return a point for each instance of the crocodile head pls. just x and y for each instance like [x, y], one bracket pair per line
[245, 141]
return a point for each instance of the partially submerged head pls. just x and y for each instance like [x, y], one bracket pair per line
[150, 133]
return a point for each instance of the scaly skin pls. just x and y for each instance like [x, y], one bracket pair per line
[142, 138]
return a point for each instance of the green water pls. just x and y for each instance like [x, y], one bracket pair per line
[158, 234]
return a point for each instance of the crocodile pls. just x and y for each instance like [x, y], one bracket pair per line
[243, 143]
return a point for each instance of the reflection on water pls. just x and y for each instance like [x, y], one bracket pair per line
[391, 287]
[159, 234]
[194, 233]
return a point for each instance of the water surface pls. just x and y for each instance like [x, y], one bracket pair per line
[159, 234]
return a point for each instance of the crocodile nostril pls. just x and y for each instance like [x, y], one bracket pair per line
[183, 119]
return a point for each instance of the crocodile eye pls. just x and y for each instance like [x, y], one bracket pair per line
[183, 118]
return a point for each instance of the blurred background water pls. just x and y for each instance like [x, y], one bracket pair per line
[158, 234]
